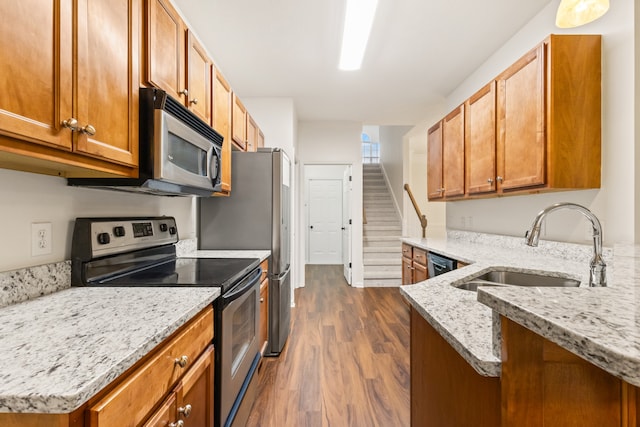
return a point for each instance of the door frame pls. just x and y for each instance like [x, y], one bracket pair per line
[310, 171]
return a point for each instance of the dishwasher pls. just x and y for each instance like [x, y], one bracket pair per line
[438, 264]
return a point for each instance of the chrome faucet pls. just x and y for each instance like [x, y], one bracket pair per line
[598, 268]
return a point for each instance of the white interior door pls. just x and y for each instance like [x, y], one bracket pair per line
[325, 221]
[346, 223]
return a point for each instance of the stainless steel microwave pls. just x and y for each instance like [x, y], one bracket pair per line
[180, 154]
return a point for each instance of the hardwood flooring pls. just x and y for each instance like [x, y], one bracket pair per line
[346, 362]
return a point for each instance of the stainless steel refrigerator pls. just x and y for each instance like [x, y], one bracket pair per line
[257, 216]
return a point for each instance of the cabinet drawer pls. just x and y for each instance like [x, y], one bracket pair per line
[139, 392]
[407, 250]
[420, 256]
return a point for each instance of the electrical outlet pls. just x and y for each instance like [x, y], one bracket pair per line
[463, 223]
[40, 238]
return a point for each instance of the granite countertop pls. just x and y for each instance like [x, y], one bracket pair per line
[61, 349]
[601, 325]
[457, 315]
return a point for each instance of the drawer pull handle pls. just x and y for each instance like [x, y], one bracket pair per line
[182, 361]
[186, 410]
[179, 423]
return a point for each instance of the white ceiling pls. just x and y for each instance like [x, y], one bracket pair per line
[419, 51]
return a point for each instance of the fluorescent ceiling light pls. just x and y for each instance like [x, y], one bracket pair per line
[573, 13]
[358, 20]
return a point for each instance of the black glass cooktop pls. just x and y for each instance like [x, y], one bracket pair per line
[215, 272]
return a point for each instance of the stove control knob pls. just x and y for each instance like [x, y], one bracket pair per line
[118, 231]
[163, 227]
[103, 238]
[172, 230]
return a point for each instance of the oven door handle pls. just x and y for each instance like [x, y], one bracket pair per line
[242, 288]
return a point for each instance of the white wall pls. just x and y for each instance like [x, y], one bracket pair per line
[637, 120]
[333, 143]
[391, 160]
[615, 202]
[28, 198]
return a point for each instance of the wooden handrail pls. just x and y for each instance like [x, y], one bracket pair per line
[421, 217]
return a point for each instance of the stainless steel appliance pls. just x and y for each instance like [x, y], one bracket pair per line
[257, 216]
[438, 264]
[141, 252]
[179, 153]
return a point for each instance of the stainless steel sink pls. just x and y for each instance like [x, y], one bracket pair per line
[513, 278]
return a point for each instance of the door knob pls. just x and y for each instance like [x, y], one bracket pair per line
[311, 227]
[344, 228]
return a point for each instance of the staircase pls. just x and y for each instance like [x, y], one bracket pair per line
[382, 232]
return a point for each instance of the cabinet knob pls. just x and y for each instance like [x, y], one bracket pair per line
[499, 178]
[194, 101]
[89, 130]
[185, 410]
[182, 361]
[184, 92]
[261, 300]
[441, 190]
[71, 124]
[179, 423]
[490, 180]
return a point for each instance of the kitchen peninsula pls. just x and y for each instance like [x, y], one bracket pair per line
[579, 334]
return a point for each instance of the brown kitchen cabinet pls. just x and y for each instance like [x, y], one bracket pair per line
[70, 103]
[239, 123]
[153, 390]
[445, 390]
[480, 141]
[453, 153]
[222, 102]
[176, 61]
[414, 264]
[252, 134]
[263, 335]
[545, 385]
[535, 128]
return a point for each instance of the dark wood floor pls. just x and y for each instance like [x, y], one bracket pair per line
[346, 362]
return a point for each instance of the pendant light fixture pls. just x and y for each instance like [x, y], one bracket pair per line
[573, 13]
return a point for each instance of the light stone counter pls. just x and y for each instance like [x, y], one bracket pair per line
[457, 315]
[61, 349]
[601, 325]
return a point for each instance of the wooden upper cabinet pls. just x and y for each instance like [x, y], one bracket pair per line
[480, 141]
[83, 100]
[453, 153]
[252, 134]
[108, 79]
[434, 162]
[199, 68]
[521, 115]
[239, 123]
[222, 102]
[36, 63]
[260, 139]
[166, 49]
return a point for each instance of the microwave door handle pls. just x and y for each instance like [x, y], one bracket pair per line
[241, 289]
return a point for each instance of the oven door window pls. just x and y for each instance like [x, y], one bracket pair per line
[244, 332]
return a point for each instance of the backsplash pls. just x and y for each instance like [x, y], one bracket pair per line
[32, 282]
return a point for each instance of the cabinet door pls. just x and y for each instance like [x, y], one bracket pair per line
[434, 162]
[264, 315]
[407, 271]
[480, 140]
[195, 392]
[252, 134]
[453, 153]
[166, 49]
[36, 63]
[239, 123]
[199, 67]
[521, 120]
[420, 273]
[108, 79]
[165, 415]
[222, 100]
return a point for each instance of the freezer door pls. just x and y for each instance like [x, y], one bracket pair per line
[280, 312]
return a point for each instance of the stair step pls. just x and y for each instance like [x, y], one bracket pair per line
[382, 249]
[397, 261]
